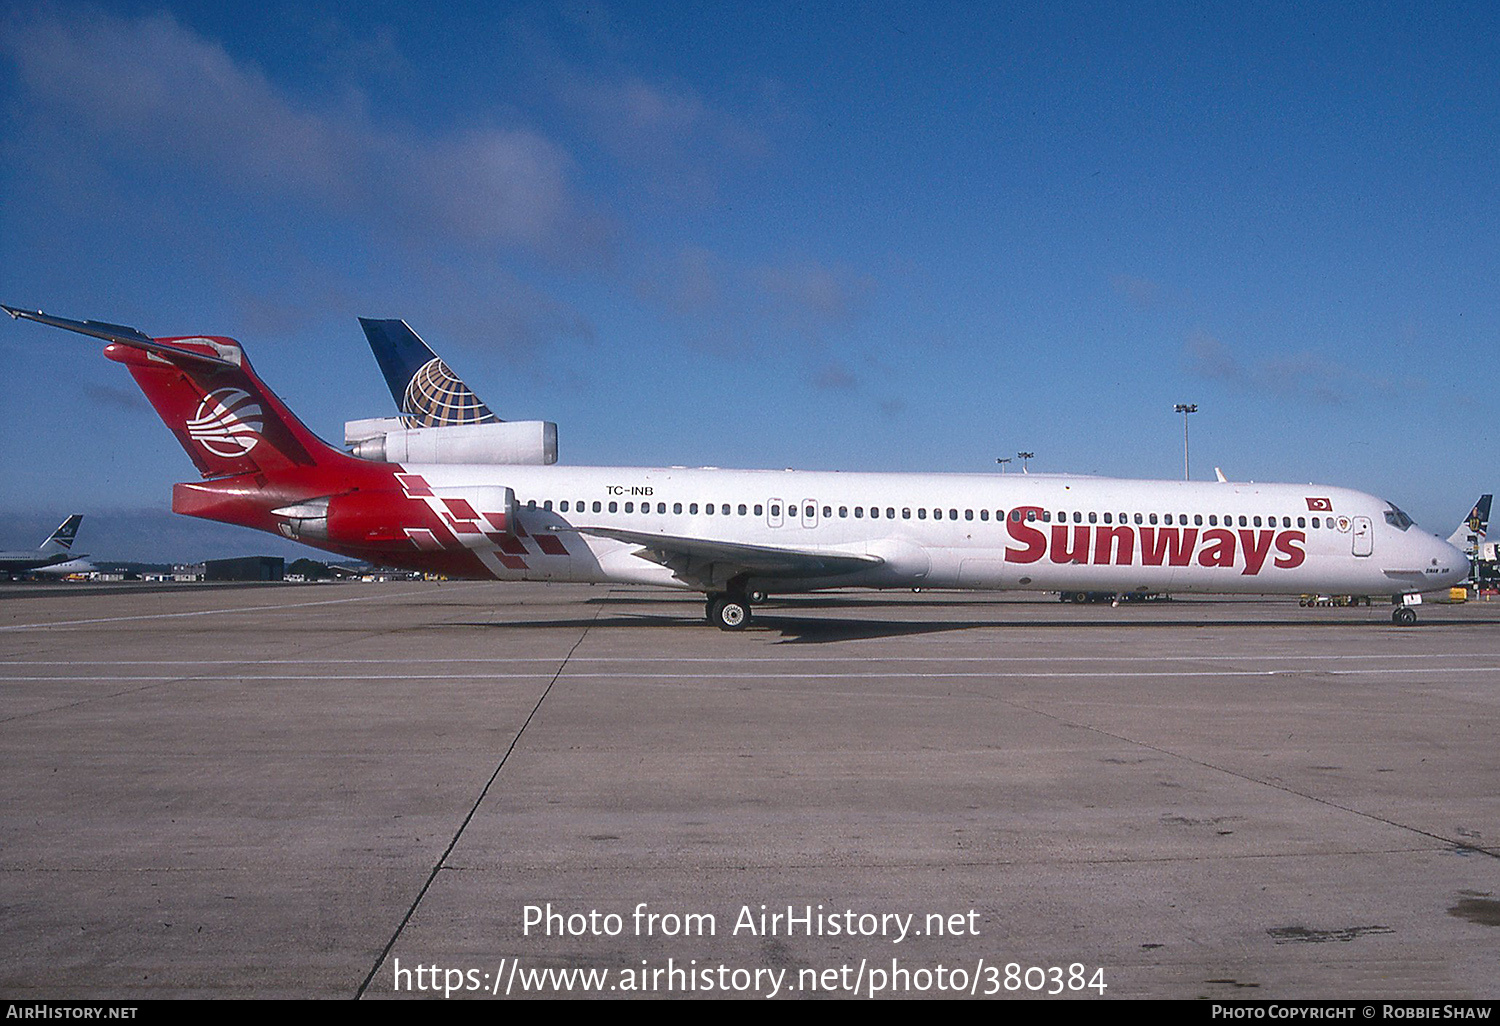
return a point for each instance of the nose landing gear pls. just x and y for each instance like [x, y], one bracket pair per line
[1404, 616]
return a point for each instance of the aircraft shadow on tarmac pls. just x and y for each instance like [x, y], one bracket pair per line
[781, 618]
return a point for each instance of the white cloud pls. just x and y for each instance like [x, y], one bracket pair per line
[168, 101]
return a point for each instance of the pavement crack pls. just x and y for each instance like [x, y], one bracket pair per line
[483, 792]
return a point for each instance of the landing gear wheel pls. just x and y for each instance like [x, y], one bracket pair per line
[728, 612]
[1404, 616]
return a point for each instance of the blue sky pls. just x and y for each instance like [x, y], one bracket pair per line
[846, 236]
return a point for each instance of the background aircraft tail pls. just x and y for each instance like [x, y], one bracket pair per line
[61, 540]
[427, 393]
[1470, 533]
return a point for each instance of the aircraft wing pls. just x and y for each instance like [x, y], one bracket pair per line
[709, 563]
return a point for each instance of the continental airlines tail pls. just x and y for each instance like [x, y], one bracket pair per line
[427, 393]
[488, 501]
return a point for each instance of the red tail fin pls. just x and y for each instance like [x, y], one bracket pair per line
[223, 415]
[209, 397]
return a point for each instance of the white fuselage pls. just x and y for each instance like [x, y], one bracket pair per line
[1003, 532]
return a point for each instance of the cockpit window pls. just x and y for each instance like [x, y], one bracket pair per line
[1397, 519]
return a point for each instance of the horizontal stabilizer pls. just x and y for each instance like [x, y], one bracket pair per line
[124, 336]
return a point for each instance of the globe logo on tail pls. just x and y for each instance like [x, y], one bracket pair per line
[436, 397]
[228, 422]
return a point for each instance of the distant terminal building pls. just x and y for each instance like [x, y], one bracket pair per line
[184, 572]
[246, 568]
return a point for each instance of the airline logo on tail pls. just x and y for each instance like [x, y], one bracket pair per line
[228, 423]
[436, 397]
[65, 534]
[1471, 533]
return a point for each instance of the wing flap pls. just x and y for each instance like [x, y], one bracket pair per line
[701, 560]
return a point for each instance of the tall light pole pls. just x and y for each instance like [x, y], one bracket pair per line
[1002, 464]
[1024, 457]
[1185, 409]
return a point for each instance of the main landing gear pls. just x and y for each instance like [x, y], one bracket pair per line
[728, 610]
[1404, 616]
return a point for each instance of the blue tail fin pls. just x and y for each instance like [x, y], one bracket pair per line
[62, 538]
[1471, 532]
[427, 393]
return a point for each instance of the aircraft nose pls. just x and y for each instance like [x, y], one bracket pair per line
[1457, 563]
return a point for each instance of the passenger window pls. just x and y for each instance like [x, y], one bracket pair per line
[1256, 521]
[708, 508]
[905, 514]
[547, 505]
[614, 507]
[531, 504]
[859, 512]
[775, 510]
[827, 512]
[724, 509]
[1198, 519]
[953, 514]
[692, 509]
[968, 514]
[1167, 519]
[661, 507]
[984, 514]
[1153, 518]
[1138, 518]
[630, 507]
[1093, 518]
[874, 512]
[1109, 518]
[922, 513]
[843, 511]
[562, 507]
[742, 509]
[759, 509]
[1301, 521]
[1031, 515]
[597, 506]
[1315, 522]
[890, 513]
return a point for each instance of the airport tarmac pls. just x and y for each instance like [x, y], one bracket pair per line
[302, 791]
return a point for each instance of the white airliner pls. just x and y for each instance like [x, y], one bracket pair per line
[473, 501]
[53, 554]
